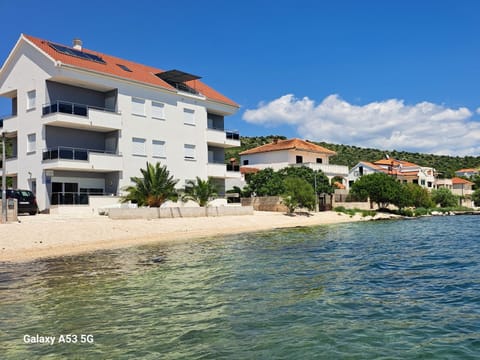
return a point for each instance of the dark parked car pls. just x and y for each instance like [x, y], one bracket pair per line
[26, 201]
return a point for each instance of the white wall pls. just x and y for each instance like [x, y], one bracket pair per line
[28, 71]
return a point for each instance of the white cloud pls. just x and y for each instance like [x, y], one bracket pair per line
[389, 124]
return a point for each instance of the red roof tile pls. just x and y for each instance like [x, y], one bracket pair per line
[140, 73]
[457, 181]
[394, 162]
[289, 144]
[248, 170]
[467, 170]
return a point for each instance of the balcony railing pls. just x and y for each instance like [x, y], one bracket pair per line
[67, 107]
[232, 135]
[231, 167]
[69, 153]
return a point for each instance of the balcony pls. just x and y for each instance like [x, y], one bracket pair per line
[223, 138]
[67, 158]
[9, 123]
[81, 116]
[220, 170]
[11, 166]
[327, 169]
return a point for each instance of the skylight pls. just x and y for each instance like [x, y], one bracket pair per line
[124, 67]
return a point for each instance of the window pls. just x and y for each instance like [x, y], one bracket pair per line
[124, 67]
[299, 159]
[138, 106]
[31, 143]
[245, 162]
[189, 152]
[31, 96]
[319, 160]
[138, 146]
[158, 149]
[158, 110]
[189, 116]
[422, 182]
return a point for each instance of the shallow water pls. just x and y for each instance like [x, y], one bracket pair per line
[377, 290]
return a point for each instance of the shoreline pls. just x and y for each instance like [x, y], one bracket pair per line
[47, 236]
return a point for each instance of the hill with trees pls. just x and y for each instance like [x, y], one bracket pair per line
[350, 155]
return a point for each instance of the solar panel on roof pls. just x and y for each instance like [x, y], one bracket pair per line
[76, 53]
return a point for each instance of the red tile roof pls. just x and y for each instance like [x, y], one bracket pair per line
[372, 165]
[467, 170]
[140, 73]
[248, 170]
[394, 162]
[457, 181]
[339, 185]
[296, 144]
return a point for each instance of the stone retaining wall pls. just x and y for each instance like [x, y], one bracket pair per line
[265, 203]
[174, 212]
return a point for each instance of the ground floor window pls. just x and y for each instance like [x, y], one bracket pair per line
[69, 193]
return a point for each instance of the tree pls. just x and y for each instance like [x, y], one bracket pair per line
[444, 197]
[200, 191]
[298, 193]
[380, 188]
[313, 177]
[152, 189]
[476, 197]
[418, 196]
[266, 182]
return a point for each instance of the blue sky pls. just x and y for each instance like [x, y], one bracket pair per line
[399, 75]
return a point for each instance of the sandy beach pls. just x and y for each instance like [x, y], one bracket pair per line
[43, 236]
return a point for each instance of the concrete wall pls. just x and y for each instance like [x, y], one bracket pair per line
[157, 213]
[58, 136]
[356, 205]
[62, 92]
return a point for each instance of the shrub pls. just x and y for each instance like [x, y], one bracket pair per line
[298, 193]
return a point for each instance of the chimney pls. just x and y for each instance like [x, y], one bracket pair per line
[77, 44]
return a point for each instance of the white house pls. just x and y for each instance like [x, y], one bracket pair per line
[291, 152]
[404, 171]
[83, 122]
[467, 172]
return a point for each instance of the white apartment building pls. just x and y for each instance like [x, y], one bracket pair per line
[83, 122]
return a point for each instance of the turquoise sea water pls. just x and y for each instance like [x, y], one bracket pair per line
[376, 290]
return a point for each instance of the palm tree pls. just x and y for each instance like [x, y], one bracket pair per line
[200, 191]
[153, 189]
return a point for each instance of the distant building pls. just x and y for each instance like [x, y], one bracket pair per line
[468, 173]
[292, 152]
[404, 171]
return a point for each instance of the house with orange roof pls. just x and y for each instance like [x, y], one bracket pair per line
[404, 171]
[461, 187]
[82, 123]
[292, 152]
[468, 173]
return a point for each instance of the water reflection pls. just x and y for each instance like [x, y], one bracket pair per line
[352, 290]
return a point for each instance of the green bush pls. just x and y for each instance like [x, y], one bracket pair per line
[298, 194]
[421, 211]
